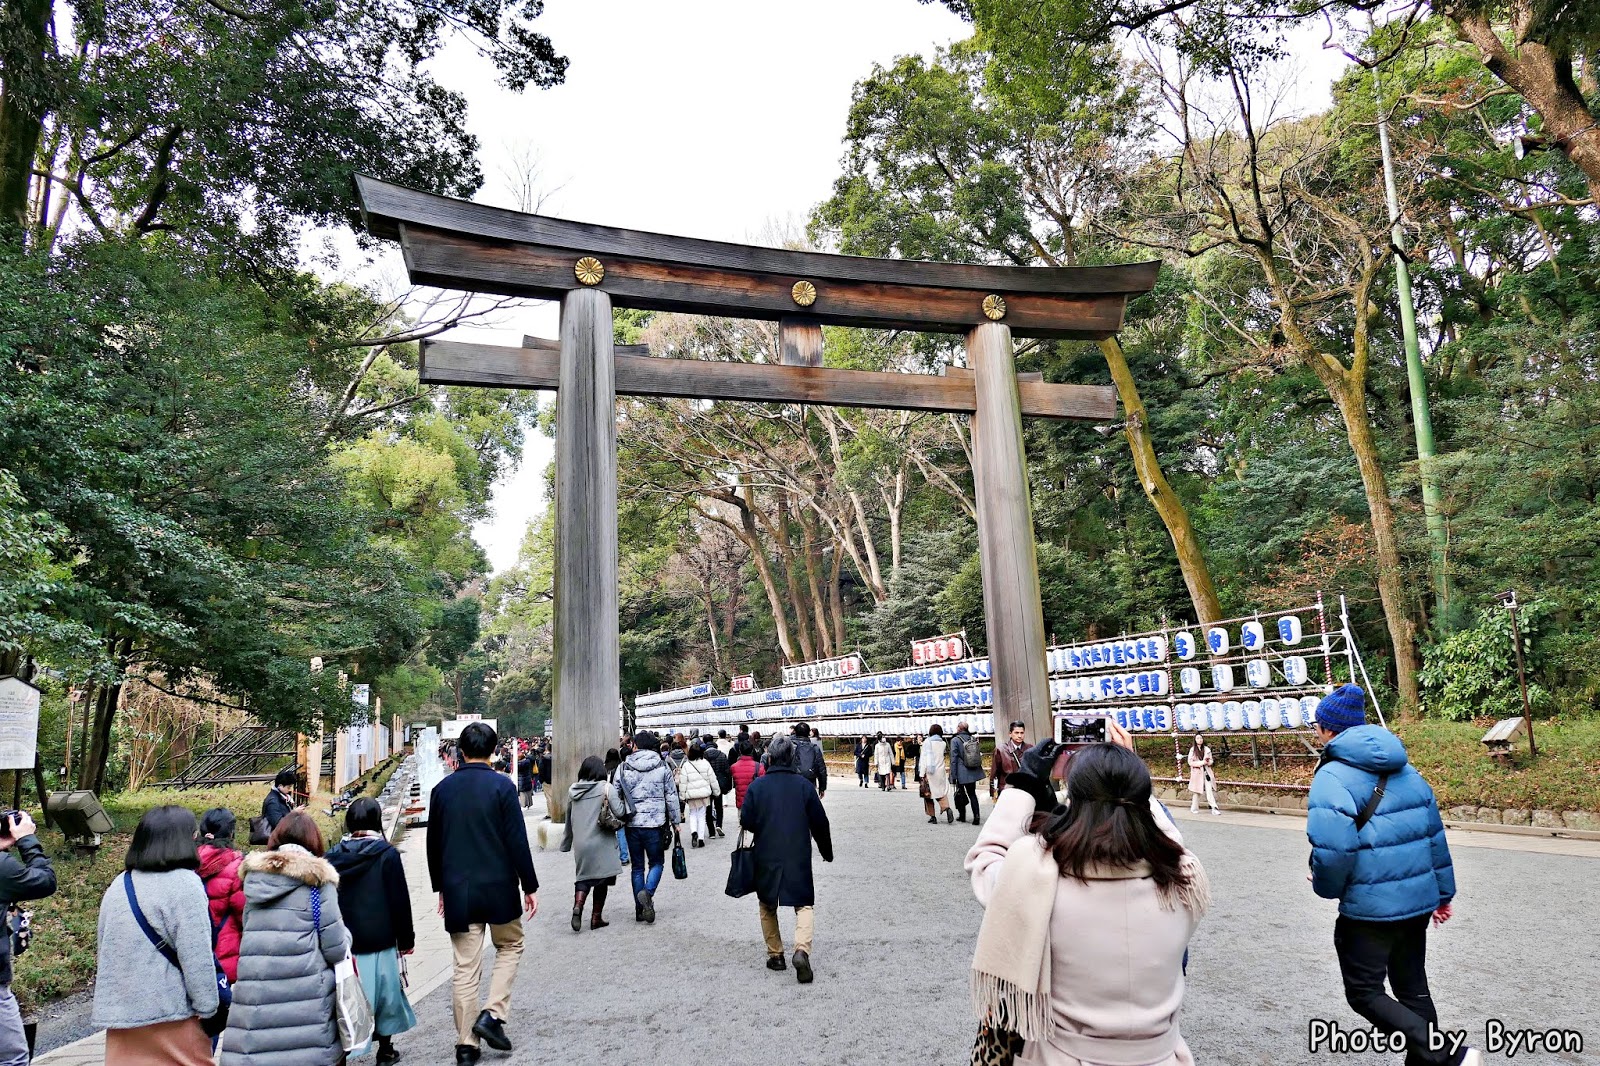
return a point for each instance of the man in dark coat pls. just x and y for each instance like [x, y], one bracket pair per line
[720, 767]
[478, 856]
[280, 801]
[965, 750]
[783, 812]
[25, 874]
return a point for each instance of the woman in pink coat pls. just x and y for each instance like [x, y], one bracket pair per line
[1087, 918]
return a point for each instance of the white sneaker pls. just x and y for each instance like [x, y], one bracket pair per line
[1473, 1057]
[1216, 812]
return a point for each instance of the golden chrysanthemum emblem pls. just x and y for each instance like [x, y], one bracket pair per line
[804, 293]
[589, 270]
[994, 307]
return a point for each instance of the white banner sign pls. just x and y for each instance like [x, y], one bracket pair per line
[19, 724]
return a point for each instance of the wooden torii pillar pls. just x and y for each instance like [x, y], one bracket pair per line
[460, 245]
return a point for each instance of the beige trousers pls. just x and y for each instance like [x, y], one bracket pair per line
[804, 928]
[468, 974]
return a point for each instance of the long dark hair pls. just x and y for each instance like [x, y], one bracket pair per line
[1107, 820]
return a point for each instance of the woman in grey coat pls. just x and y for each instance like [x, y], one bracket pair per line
[283, 1003]
[148, 997]
[594, 848]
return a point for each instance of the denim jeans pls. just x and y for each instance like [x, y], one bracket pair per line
[13, 1040]
[647, 843]
[622, 844]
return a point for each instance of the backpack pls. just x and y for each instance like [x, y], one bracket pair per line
[971, 754]
[808, 756]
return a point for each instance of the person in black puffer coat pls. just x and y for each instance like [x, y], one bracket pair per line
[720, 766]
[377, 911]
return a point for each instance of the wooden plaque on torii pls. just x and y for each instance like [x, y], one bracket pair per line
[456, 244]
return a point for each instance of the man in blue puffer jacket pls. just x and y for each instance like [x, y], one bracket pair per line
[1388, 865]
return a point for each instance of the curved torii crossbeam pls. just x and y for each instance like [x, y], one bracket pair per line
[456, 244]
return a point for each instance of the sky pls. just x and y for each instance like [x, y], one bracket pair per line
[719, 119]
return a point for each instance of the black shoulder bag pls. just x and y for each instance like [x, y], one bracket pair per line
[1372, 804]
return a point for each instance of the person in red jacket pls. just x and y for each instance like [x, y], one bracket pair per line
[745, 769]
[219, 869]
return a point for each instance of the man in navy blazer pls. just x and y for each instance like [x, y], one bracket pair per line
[478, 859]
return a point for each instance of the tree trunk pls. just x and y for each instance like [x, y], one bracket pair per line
[98, 757]
[1542, 77]
[1352, 403]
[21, 107]
[747, 533]
[1191, 559]
[810, 553]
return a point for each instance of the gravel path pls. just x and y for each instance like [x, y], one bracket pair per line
[895, 928]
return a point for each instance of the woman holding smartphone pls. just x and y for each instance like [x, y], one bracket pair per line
[1089, 908]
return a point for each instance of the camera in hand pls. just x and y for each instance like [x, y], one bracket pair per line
[1081, 729]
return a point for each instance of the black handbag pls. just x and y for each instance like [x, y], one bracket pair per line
[260, 830]
[680, 859]
[742, 868]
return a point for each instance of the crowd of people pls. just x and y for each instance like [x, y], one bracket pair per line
[1091, 898]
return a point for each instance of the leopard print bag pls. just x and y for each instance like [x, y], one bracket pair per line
[995, 1047]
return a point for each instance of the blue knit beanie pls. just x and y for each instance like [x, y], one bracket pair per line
[1342, 708]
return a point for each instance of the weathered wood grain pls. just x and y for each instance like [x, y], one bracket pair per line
[496, 366]
[460, 261]
[799, 341]
[387, 207]
[1013, 616]
[550, 344]
[585, 671]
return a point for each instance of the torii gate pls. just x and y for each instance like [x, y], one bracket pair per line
[456, 244]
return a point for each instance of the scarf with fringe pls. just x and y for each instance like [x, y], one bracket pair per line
[1011, 966]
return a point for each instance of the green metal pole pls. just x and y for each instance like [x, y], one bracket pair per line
[1432, 501]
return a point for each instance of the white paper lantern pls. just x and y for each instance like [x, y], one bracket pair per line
[1308, 709]
[1189, 680]
[1217, 640]
[1272, 713]
[1162, 716]
[1258, 673]
[1252, 714]
[1216, 717]
[1289, 631]
[1183, 645]
[1185, 717]
[1294, 670]
[1222, 677]
[1158, 649]
[1252, 637]
[1234, 712]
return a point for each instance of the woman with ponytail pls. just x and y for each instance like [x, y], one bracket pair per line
[1089, 908]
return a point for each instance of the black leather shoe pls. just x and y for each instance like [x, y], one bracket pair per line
[775, 962]
[949, 817]
[491, 1031]
[963, 817]
[932, 820]
[802, 967]
[577, 918]
[388, 1056]
[467, 1055]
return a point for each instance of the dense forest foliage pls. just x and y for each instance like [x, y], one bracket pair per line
[217, 463]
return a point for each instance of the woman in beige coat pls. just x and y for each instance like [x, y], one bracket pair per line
[1202, 778]
[934, 776]
[1080, 957]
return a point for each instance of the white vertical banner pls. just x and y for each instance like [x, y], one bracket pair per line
[19, 724]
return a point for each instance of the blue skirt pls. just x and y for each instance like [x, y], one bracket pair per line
[380, 980]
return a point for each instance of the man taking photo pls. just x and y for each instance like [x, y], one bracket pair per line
[25, 873]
